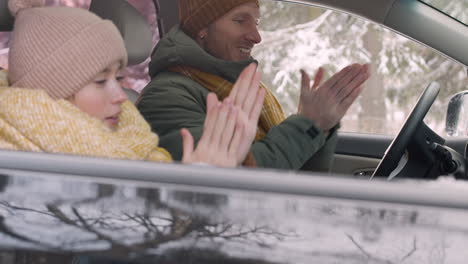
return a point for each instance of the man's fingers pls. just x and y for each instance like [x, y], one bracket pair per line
[305, 82]
[318, 78]
[348, 101]
[241, 87]
[342, 87]
[338, 76]
[356, 83]
[187, 145]
[252, 94]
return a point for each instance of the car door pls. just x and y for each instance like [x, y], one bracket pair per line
[359, 149]
[96, 211]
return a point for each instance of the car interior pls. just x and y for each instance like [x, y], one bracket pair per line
[421, 23]
[350, 158]
[358, 157]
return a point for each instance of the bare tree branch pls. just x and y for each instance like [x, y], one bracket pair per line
[411, 251]
[363, 251]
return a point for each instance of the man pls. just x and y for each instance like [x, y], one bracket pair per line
[207, 52]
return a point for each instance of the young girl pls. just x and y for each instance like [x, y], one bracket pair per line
[65, 95]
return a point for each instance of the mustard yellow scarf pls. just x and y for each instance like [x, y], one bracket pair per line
[31, 121]
[272, 113]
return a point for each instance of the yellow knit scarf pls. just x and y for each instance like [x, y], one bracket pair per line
[3, 78]
[31, 121]
[272, 113]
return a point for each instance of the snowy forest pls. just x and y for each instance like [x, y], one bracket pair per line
[298, 37]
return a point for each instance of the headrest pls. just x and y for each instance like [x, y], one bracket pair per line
[132, 25]
[6, 19]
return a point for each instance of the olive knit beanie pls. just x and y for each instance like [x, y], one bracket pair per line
[60, 49]
[194, 15]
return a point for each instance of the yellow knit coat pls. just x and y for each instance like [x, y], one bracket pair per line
[32, 121]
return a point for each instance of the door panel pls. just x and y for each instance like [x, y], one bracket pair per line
[359, 154]
[355, 165]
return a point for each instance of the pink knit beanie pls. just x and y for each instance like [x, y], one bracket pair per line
[60, 49]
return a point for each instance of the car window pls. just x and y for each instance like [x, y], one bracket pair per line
[75, 220]
[136, 75]
[457, 9]
[297, 36]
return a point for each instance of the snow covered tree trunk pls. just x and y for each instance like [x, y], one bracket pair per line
[373, 96]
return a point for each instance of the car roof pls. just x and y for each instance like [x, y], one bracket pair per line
[411, 18]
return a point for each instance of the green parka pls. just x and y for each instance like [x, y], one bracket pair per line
[172, 101]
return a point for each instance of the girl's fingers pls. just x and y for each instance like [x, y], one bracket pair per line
[242, 84]
[220, 125]
[258, 106]
[249, 101]
[187, 144]
[235, 90]
[213, 106]
[229, 129]
[237, 142]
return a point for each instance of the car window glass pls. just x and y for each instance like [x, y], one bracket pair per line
[457, 9]
[68, 220]
[137, 75]
[297, 36]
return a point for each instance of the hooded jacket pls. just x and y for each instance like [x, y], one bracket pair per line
[172, 101]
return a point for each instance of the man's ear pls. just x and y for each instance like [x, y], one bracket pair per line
[201, 36]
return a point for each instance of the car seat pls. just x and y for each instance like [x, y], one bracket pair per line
[6, 19]
[134, 29]
[132, 25]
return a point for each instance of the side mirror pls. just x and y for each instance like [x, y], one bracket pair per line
[456, 123]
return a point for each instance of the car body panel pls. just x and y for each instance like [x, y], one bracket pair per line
[147, 213]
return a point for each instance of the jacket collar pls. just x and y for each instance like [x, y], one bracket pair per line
[177, 48]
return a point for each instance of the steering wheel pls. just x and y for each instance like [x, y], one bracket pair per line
[397, 148]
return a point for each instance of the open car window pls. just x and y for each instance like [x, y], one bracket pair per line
[298, 36]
